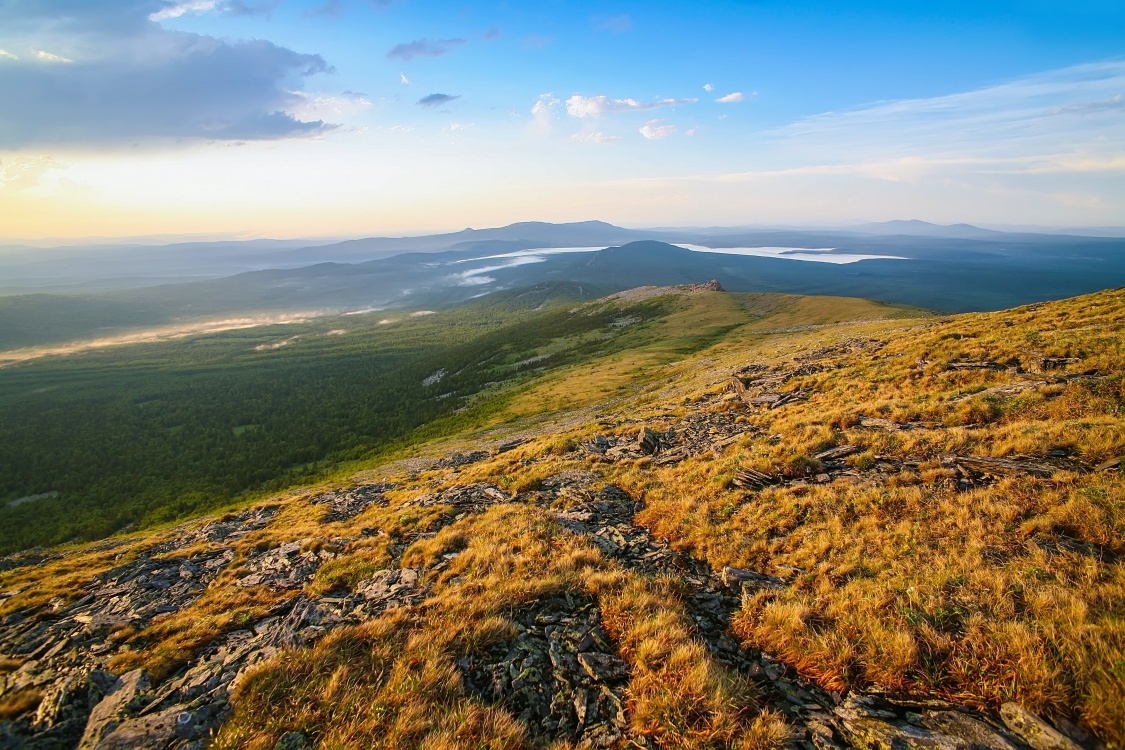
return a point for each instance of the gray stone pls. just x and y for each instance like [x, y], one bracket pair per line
[957, 724]
[649, 441]
[152, 732]
[56, 699]
[880, 734]
[291, 741]
[603, 667]
[111, 709]
[1033, 730]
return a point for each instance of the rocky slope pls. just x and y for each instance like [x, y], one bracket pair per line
[210, 633]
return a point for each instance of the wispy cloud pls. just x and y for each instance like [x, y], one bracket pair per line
[654, 131]
[240, 8]
[595, 137]
[326, 105]
[1113, 104]
[731, 98]
[179, 9]
[493, 34]
[478, 276]
[596, 106]
[1052, 143]
[544, 104]
[544, 112]
[436, 100]
[1070, 116]
[24, 172]
[404, 80]
[617, 24]
[9, 55]
[51, 57]
[708, 87]
[424, 48]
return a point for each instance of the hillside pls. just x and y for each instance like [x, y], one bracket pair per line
[717, 520]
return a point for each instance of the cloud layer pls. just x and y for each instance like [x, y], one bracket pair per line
[109, 74]
[1067, 120]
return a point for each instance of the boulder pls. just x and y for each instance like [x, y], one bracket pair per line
[974, 731]
[1033, 730]
[111, 710]
[868, 732]
[152, 732]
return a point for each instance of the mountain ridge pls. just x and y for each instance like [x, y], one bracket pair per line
[805, 522]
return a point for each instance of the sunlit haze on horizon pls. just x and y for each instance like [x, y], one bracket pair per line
[284, 118]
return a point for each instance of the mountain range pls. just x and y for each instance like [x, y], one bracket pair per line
[953, 268]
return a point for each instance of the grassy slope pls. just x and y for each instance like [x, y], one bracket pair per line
[1011, 591]
[905, 582]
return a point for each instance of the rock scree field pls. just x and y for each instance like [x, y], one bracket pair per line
[719, 521]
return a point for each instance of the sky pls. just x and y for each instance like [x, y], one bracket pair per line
[324, 118]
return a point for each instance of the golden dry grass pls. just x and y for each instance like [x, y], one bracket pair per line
[981, 596]
[1013, 590]
[393, 682]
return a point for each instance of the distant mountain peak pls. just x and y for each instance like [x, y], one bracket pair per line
[918, 227]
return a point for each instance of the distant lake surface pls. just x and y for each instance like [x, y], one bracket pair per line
[814, 255]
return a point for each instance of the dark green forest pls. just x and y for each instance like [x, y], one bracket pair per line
[146, 434]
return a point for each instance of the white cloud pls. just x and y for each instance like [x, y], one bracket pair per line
[175, 11]
[708, 87]
[455, 126]
[50, 57]
[544, 112]
[546, 103]
[401, 128]
[142, 82]
[693, 131]
[6, 53]
[24, 172]
[654, 131]
[595, 106]
[731, 98]
[405, 81]
[595, 137]
[1050, 145]
[311, 105]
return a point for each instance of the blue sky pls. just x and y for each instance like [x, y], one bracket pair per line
[287, 118]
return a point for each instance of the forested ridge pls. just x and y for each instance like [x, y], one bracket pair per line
[150, 433]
